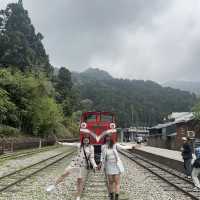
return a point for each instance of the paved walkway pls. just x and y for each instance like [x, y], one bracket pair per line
[175, 155]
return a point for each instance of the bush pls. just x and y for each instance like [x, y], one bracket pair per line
[72, 126]
[8, 131]
[62, 132]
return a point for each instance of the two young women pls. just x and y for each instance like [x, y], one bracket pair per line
[109, 160]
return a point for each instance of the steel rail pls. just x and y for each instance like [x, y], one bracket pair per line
[25, 153]
[162, 168]
[95, 186]
[133, 157]
[66, 154]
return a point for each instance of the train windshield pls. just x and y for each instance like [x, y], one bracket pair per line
[106, 118]
[98, 117]
[90, 118]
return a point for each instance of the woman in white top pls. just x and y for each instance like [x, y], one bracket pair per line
[113, 167]
[79, 165]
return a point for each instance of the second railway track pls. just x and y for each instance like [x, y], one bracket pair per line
[13, 178]
[173, 178]
[95, 186]
[23, 154]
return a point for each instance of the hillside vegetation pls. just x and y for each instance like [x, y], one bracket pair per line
[136, 102]
[32, 100]
[39, 100]
[190, 86]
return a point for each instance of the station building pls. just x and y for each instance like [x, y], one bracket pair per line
[168, 135]
[132, 133]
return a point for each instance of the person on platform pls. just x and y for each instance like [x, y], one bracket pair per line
[196, 170]
[187, 156]
[78, 166]
[113, 166]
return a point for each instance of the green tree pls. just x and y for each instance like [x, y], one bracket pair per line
[20, 45]
[196, 110]
[46, 116]
[63, 84]
[7, 108]
[67, 106]
[66, 94]
[32, 99]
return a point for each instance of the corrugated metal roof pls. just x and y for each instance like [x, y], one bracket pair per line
[185, 118]
[179, 117]
[159, 126]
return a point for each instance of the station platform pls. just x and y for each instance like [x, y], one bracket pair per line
[170, 158]
[175, 155]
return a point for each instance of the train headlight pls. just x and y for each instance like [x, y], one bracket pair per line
[83, 125]
[112, 126]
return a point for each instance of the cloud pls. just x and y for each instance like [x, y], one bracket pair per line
[140, 39]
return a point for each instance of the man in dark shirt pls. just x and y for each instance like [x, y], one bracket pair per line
[187, 156]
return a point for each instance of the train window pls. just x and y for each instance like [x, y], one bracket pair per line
[106, 118]
[90, 118]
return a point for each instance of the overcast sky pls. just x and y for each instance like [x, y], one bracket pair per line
[136, 39]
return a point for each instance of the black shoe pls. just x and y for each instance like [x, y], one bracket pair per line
[116, 196]
[111, 196]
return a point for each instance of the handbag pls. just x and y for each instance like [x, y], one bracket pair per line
[119, 163]
[120, 166]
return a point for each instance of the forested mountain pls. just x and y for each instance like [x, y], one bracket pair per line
[192, 87]
[90, 74]
[38, 100]
[135, 102]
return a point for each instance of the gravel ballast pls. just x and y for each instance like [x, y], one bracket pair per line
[138, 183]
[15, 164]
[142, 185]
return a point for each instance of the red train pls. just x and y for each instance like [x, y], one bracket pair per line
[98, 125]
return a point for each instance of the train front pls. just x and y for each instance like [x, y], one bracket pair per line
[98, 125]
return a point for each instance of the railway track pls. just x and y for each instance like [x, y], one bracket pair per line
[13, 179]
[24, 153]
[95, 186]
[172, 177]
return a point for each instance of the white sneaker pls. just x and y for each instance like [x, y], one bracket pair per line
[50, 188]
[78, 198]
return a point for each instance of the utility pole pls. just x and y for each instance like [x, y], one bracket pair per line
[132, 109]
